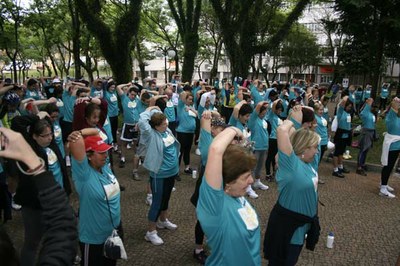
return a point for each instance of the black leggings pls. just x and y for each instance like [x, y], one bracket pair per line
[185, 139]
[199, 233]
[323, 149]
[386, 170]
[93, 255]
[272, 151]
[114, 127]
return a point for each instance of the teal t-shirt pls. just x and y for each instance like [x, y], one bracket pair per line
[58, 137]
[231, 226]
[367, 94]
[54, 166]
[98, 93]
[187, 119]
[107, 129]
[257, 95]
[112, 101]
[169, 111]
[170, 165]
[358, 96]
[367, 118]
[69, 103]
[344, 120]
[393, 128]
[384, 92]
[275, 121]
[94, 214]
[322, 129]
[130, 110]
[60, 105]
[32, 94]
[297, 187]
[204, 144]
[259, 132]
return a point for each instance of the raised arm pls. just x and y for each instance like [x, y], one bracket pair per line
[213, 172]
[237, 108]
[283, 133]
[76, 143]
[121, 88]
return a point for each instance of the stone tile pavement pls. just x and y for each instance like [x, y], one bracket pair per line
[366, 226]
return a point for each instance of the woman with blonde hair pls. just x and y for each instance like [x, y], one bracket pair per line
[295, 213]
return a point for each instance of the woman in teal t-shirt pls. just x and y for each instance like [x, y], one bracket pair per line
[227, 218]
[99, 194]
[296, 210]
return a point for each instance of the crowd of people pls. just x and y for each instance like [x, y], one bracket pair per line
[285, 127]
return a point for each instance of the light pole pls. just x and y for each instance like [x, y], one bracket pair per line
[165, 52]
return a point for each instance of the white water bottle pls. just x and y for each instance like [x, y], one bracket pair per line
[194, 174]
[329, 240]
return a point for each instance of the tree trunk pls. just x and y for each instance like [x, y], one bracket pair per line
[76, 42]
[114, 43]
[191, 45]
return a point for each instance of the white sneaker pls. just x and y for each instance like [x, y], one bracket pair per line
[198, 152]
[149, 200]
[68, 161]
[252, 194]
[128, 146]
[153, 238]
[166, 224]
[15, 206]
[173, 189]
[386, 193]
[259, 185]
[115, 147]
[389, 188]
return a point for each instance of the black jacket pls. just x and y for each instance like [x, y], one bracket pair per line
[61, 235]
[26, 194]
[282, 224]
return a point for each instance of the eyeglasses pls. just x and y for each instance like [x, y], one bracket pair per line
[47, 135]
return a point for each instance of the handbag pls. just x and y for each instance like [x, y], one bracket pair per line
[113, 247]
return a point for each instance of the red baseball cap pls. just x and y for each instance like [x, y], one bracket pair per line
[96, 143]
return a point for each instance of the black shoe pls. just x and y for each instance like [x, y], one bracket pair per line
[178, 178]
[338, 174]
[200, 257]
[269, 178]
[344, 170]
[365, 168]
[361, 172]
[188, 171]
[121, 188]
[121, 164]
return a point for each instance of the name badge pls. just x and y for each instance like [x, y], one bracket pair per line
[248, 215]
[170, 104]
[373, 118]
[113, 98]
[51, 156]
[57, 131]
[168, 140]
[265, 124]
[59, 103]
[324, 122]
[191, 113]
[348, 119]
[132, 105]
[112, 189]
[103, 136]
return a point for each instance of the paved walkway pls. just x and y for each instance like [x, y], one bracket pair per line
[366, 226]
